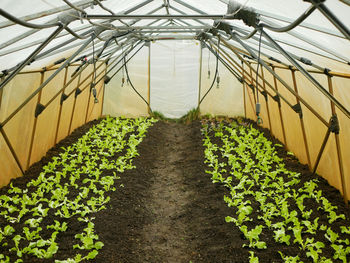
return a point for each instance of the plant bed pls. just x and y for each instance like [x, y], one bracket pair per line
[51, 217]
[284, 213]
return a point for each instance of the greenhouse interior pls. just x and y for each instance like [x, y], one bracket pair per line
[174, 131]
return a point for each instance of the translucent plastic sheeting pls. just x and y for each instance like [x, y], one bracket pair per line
[225, 99]
[174, 77]
[341, 91]
[44, 137]
[122, 100]
[19, 128]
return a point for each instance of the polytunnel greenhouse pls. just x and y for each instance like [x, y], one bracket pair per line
[174, 131]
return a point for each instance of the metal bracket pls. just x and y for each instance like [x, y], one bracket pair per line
[107, 79]
[297, 108]
[63, 98]
[77, 92]
[264, 93]
[327, 72]
[39, 109]
[306, 61]
[278, 99]
[252, 87]
[334, 125]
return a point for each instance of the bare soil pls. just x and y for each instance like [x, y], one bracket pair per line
[167, 209]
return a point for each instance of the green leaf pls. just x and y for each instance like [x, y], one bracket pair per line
[253, 258]
[92, 254]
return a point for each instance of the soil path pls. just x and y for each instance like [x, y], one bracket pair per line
[168, 209]
[167, 235]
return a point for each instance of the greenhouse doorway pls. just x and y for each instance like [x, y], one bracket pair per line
[174, 74]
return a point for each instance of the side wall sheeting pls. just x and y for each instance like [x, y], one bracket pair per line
[32, 137]
[227, 100]
[315, 130]
[122, 100]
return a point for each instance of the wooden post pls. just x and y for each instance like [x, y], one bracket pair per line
[302, 124]
[74, 103]
[337, 141]
[280, 111]
[266, 101]
[34, 125]
[61, 104]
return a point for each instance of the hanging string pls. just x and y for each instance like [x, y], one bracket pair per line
[216, 72]
[94, 92]
[209, 65]
[258, 106]
[123, 73]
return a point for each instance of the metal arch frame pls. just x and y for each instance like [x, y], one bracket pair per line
[46, 13]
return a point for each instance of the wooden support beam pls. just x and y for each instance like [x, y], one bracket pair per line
[338, 145]
[266, 101]
[302, 124]
[30, 152]
[61, 105]
[280, 112]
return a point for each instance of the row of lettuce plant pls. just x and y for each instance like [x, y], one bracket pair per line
[73, 185]
[265, 196]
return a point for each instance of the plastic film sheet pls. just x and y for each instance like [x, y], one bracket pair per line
[174, 77]
[120, 99]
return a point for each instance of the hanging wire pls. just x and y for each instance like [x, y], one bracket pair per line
[209, 64]
[216, 72]
[123, 73]
[132, 86]
[94, 78]
[258, 106]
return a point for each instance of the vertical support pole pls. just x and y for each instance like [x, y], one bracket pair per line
[200, 74]
[302, 124]
[266, 102]
[252, 83]
[34, 125]
[280, 110]
[248, 94]
[337, 141]
[61, 105]
[74, 103]
[149, 80]
[103, 93]
[244, 95]
[89, 99]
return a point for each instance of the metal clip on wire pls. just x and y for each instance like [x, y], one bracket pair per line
[258, 108]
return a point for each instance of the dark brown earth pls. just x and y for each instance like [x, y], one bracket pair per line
[167, 209]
